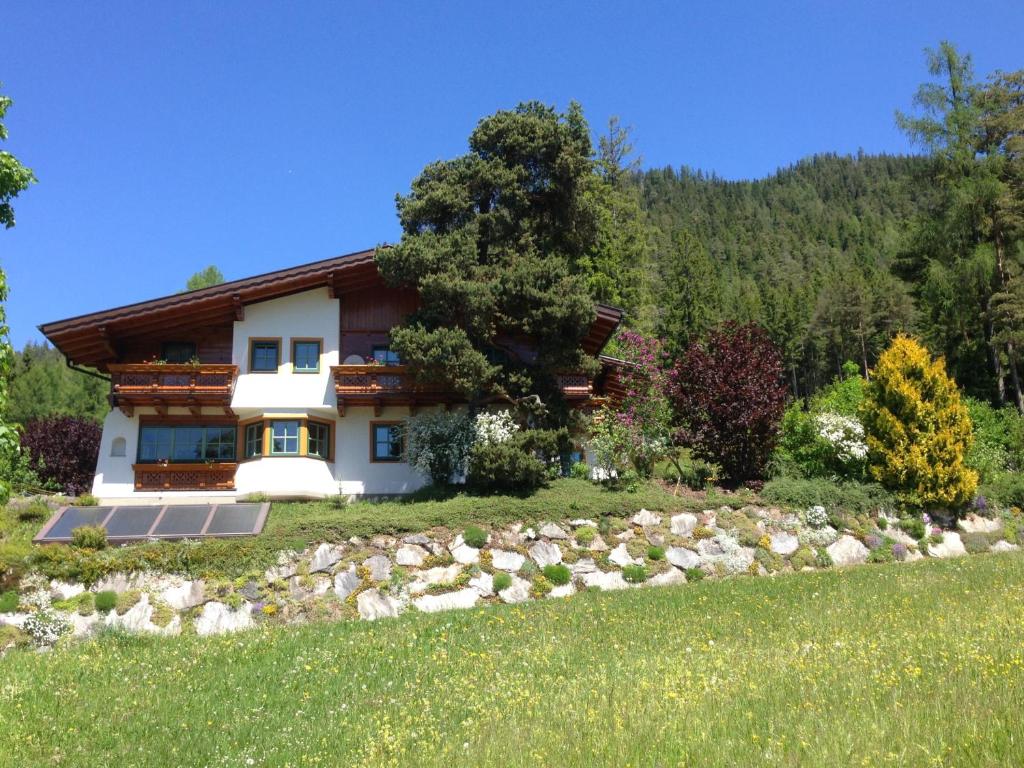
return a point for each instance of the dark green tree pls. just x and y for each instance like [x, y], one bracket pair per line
[42, 386]
[205, 278]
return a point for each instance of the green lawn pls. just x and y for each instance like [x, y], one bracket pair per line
[918, 664]
[296, 525]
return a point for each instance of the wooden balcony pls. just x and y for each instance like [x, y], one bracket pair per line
[217, 476]
[382, 385]
[163, 385]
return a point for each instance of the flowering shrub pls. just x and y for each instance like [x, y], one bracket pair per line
[846, 436]
[494, 428]
[45, 627]
[439, 444]
[816, 517]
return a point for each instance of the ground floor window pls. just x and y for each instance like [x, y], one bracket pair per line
[284, 438]
[253, 440]
[186, 443]
[318, 442]
[388, 441]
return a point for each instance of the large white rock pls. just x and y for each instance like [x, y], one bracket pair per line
[604, 581]
[621, 557]
[184, 595]
[563, 590]
[579, 522]
[373, 605]
[598, 544]
[62, 590]
[847, 551]
[411, 554]
[545, 553]
[667, 578]
[977, 524]
[1004, 546]
[325, 558]
[645, 517]
[951, 546]
[462, 552]
[464, 598]
[584, 565]
[484, 584]
[346, 582]
[83, 625]
[217, 619]
[552, 531]
[438, 575]
[504, 560]
[115, 582]
[681, 557]
[683, 524]
[278, 573]
[517, 592]
[784, 543]
[380, 567]
[417, 538]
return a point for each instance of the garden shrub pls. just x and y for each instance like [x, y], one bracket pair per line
[557, 574]
[635, 573]
[883, 553]
[86, 604]
[504, 468]
[540, 587]
[45, 627]
[802, 558]
[702, 532]
[580, 470]
[105, 601]
[9, 602]
[12, 637]
[851, 496]
[772, 561]
[86, 500]
[655, 553]
[585, 535]
[127, 600]
[918, 430]
[475, 537]
[1005, 488]
[438, 444]
[913, 527]
[502, 581]
[89, 537]
[36, 512]
[731, 398]
[694, 574]
[63, 450]
[976, 542]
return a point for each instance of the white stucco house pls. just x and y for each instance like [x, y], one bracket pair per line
[282, 384]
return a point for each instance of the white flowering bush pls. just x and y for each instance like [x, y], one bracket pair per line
[845, 434]
[818, 537]
[494, 428]
[439, 444]
[45, 627]
[816, 517]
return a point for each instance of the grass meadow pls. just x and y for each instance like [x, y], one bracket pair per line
[919, 664]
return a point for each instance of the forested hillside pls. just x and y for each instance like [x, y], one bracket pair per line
[807, 252]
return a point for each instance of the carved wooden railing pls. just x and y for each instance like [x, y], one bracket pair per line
[575, 385]
[164, 384]
[217, 476]
[371, 380]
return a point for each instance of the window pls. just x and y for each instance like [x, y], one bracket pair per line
[177, 351]
[253, 440]
[284, 438]
[386, 356]
[388, 442]
[319, 440]
[265, 356]
[187, 443]
[306, 356]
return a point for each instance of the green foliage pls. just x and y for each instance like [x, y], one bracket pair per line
[695, 574]
[913, 527]
[205, 278]
[86, 500]
[655, 553]
[976, 542]
[801, 493]
[502, 581]
[998, 443]
[12, 637]
[802, 558]
[558, 574]
[918, 431]
[8, 602]
[89, 537]
[105, 601]
[127, 600]
[35, 512]
[42, 385]
[438, 444]
[585, 534]
[14, 177]
[474, 536]
[504, 468]
[635, 573]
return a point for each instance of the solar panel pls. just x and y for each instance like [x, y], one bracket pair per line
[171, 521]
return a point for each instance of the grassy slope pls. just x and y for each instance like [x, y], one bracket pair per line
[880, 665]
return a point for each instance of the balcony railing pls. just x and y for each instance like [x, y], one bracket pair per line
[379, 385]
[170, 384]
[218, 476]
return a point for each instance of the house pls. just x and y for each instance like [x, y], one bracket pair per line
[282, 383]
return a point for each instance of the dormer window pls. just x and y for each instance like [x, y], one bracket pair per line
[178, 351]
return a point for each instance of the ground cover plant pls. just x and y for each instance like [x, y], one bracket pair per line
[864, 664]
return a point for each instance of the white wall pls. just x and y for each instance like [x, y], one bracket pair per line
[352, 465]
[311, 314]
[286, 476]
[114, 476]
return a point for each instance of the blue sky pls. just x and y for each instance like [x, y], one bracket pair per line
[255, 135]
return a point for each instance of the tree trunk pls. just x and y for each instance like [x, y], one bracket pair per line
[1015, 376]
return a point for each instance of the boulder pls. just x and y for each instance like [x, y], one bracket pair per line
[277, 573]
[381, 541]
[847, 551]
[681, 557]
[585, 565]
[976, 524]
[432, 576]
[563, 590]
[217, 619]
[625, 535]
[517, 592]
[784, 543]
[667, 578]
[380, 567]
[462, 552]
[1004, 546]
[324, 558]
[951, 546]
[604, 581]
[579, 522]
[373, 605]
[484, 584]
[507, 561]
[346, 582]
[654, 538]
[552, 531]
[464, 598]
[62, 590]
[645, 517]
[598, 544]
[411, 554]
[187, 594]
[545, 553]
[416, 538]
[683, 524]
[620, 556]
[114, 582]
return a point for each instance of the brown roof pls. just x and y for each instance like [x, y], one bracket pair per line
[88, 339]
